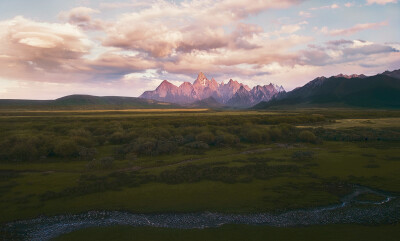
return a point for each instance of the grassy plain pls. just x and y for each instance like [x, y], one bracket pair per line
[239, 233]
[225, 161]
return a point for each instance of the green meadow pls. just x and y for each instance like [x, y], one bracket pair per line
[239, 233]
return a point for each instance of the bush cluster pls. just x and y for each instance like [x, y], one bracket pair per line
[81, 139]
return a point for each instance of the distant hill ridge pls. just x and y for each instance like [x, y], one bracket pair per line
[87, 102]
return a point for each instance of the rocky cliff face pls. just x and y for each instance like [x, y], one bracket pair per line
[232, 93]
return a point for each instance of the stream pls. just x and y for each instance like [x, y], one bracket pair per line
[349, 211]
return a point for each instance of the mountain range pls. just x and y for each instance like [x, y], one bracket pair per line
[379, 91]
[233, 93]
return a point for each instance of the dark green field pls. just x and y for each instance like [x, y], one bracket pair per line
[54, 163]
[239, 233]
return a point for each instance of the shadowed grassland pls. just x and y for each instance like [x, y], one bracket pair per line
[240, 232]
[215, 181]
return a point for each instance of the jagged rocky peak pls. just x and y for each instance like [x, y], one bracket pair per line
[242, 89]
[394, 74]
[350, 76]
[279, 88]
[214, 82]
[166, 85]
[185, 87]
[257, 87]
[317, 81]
[201, 80]
[234, 83]
[184, 84]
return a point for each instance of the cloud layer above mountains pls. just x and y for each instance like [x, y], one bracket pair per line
[110, 47]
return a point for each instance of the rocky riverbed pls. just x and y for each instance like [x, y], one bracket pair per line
[350, 210]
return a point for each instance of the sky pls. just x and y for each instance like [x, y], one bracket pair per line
[53, 48]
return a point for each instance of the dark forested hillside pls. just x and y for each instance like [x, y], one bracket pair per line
[379, 91]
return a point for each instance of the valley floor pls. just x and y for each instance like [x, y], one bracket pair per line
[301, 159]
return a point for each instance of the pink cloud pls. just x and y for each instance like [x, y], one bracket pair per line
[356, 28]
[165, 28]
[32, 48]
[132, 4]
[82, 17]
[381, 2]
[332, 6]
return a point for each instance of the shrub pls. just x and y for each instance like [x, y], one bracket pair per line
[131, 156]
[307, 136]
[87, 153]
[26, 148]
[165, 147]
[103, 163]
[275, 134]
[117, 138]
[198, 145]
[253, 135]
[23, 151]
[66, 148]
[206, 137]
[158, 133]
[106, 162]
[80, 132]
[226, 139]
[146, 146]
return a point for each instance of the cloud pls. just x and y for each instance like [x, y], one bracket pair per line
[32, 48]
[332, 6]
[339, 42]
[181, 38]
[349, 4]
[161, 39]
[305, 14]
[166, 28]
[381, 2]
[82, 17]
[112, 65]
[289, 28]
[237, 61]
[369, 49]
[132, 4]
[345, 51]
[356, 28]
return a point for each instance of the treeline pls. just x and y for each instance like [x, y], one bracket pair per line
[129, 143]
[38, 139]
